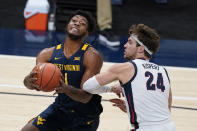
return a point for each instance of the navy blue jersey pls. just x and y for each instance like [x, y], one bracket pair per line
[73, 69]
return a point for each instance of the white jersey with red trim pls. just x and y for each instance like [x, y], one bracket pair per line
[147, 94]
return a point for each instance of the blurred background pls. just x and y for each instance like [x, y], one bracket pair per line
[175, 21]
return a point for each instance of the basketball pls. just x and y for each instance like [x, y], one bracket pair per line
[48, 76]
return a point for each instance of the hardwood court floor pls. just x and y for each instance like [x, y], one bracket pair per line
[18, 104]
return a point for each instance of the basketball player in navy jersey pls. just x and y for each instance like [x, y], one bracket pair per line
[78, 62]
[146, 85]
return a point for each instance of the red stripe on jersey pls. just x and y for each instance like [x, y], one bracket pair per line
[132, 120]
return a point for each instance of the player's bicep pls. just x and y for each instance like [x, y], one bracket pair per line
[106, 77]
[93, 63]
[109, 76]
[121, 71]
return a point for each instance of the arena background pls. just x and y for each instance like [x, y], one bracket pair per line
[175, 22]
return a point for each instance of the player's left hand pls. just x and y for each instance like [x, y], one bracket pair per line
[119, 103]
[61, 88]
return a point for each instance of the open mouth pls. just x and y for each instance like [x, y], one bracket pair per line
[75, 29]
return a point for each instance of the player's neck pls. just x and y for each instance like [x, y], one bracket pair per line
[71, 46]
[71, 42]
[142, 57]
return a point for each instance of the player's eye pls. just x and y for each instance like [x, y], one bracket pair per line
[73, 20]
[82, 23]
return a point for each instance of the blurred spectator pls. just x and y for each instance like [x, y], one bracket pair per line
[161, 1]
[104, 19]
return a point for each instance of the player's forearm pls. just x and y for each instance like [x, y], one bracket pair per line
[78, 94]
[92, 86]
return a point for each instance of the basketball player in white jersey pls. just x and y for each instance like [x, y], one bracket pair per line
[146, 85]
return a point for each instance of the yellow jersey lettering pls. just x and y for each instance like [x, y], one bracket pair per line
[40, 121]
[66, 78]
[68, 67]
[77, 67]
[72, 67]
[60, 66]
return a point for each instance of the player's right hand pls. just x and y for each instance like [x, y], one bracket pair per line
[29, 81]
[117, 89]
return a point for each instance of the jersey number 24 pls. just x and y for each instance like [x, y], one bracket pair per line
[159, 83]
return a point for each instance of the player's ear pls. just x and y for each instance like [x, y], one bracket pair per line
[141, 49]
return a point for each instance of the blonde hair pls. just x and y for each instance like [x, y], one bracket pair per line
[148, 36]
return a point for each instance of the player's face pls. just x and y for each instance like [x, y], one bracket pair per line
[77, 27]
[130, 49]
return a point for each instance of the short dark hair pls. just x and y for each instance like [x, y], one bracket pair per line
[148, 36]
[88, 16]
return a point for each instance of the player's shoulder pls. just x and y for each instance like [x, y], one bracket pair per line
[45, 54]
[92, 58]
[121, 67]
[92, 52]
[48, 50]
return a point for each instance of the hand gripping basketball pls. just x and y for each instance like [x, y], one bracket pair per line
[48, 76]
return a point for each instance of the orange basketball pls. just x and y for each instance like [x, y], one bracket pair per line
[48, 76]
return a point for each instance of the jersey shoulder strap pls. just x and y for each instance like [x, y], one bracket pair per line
[85, 47]
[57, 52]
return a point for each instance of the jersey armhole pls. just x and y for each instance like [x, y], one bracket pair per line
[135, 67]
[82, 52]
[56, 48]
[167, 74]
[135, 73]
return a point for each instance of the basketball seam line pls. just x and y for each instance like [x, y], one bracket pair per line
[50, 78]
[42, 75]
